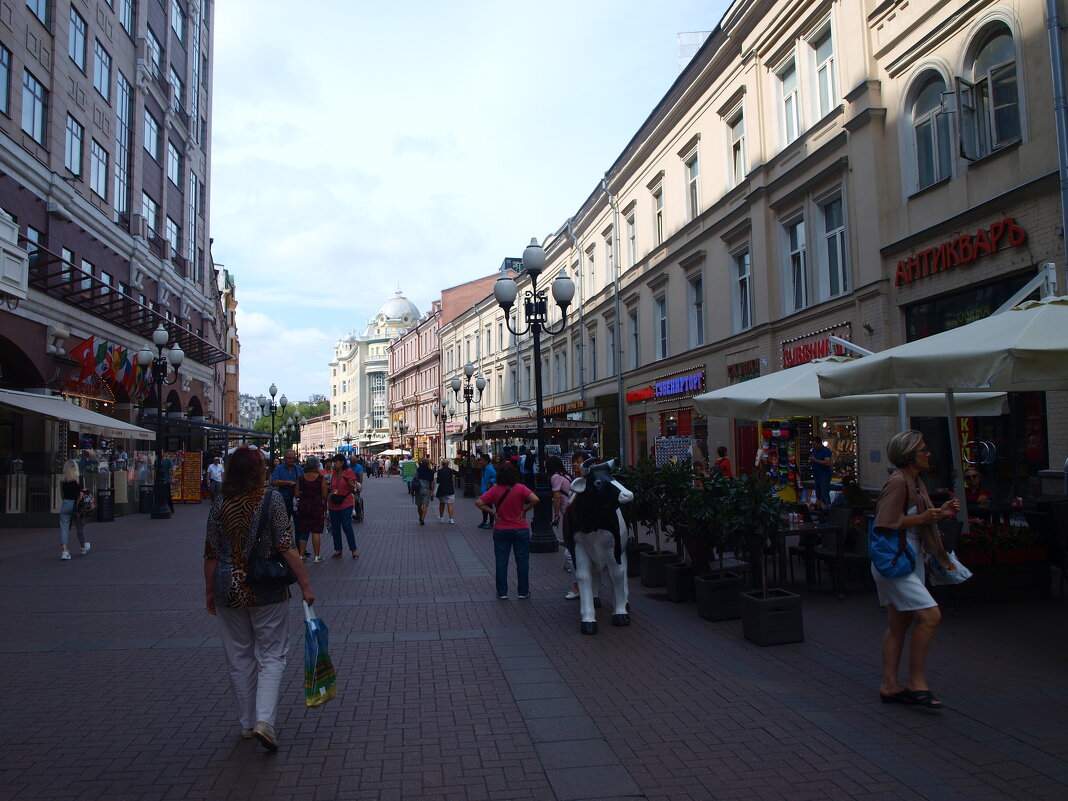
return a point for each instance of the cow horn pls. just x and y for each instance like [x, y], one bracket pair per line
[587, 465]
[611, 464]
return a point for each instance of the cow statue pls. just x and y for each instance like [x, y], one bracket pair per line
[592, 528]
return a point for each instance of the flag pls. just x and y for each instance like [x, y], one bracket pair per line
[83, 353]
[101, 362]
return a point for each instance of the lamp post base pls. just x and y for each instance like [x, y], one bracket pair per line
[542, 535]
[160, 508]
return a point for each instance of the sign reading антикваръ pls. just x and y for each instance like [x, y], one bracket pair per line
[962, 250]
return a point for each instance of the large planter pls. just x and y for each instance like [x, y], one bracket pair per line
[718, 595]
[654, 567]
[678, 579]
[634, 560]
[773, 620]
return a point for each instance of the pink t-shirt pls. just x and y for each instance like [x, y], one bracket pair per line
[510, 513]
[558, 482]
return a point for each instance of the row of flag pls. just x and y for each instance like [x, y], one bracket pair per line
[117, 364]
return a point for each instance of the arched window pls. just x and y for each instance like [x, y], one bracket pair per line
[930, 125]
[989, 95]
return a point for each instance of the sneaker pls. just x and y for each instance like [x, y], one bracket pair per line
[86, 548]
[264, 732]
[320, 559]
[246, 734]
[571, 595]
[304, 557]
[451, 521]
[441, 519]
[65, 555]
[502, 597]
[524, 597]
[422, 522]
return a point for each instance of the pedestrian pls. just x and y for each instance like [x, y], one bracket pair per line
[820, 460]
[166, 469]
[70, 489]
[510, 501]
[560, 483]
[489, 478]
[904, 504]
[446, 491]
[253, 622]
[343, 487]
[215, 476]
[424, 488]
[284, 479]
[722, 465]
[311, 493]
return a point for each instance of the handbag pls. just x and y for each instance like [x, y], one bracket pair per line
[338, 498]
[85, 505]
[890, 551]
[267, 572]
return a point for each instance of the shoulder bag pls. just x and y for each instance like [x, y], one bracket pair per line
[890, 551]
[267, 572]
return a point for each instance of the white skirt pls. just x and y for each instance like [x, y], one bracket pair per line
[907, 593]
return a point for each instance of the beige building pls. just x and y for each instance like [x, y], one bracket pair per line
[317, 437]
[414, 386]
[877, 171]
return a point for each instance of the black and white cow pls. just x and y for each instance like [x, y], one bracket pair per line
[592, 527]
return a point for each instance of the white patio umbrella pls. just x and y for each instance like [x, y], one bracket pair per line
[795, 391]
[1019, 350]
[395, 452]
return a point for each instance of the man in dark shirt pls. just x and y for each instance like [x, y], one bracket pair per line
[820, 459]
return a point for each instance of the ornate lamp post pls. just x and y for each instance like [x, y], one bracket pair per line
[158, 367]
[465, 394]
[442, 413]
[269, 407]
[536, 309]
[402, 429]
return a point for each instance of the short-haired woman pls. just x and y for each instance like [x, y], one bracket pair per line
[905, 504]
[253, 622]
[340, 502]
[446, 491]
[511, 501]
[311, 493]
[70, 489]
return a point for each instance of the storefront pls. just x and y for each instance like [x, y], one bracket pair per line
[663, 421]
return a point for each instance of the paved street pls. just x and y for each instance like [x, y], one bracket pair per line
[114, 685]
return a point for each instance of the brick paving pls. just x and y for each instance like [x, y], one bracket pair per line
[114, 685]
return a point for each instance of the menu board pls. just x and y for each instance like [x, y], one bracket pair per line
[186, 475]
[407, 468]
[672, 448]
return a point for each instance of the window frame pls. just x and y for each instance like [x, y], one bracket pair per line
[76, 39]
[977, 120]
[72, 156]
[658, 213]
[38, 108]
[151, 124]
[833, 242]
[661, 344]
[98, 169]
[102, 70]
[5, 78]
[795, 264]
[632, 239]
[738, 164]
[936, 120]
[693, 185]
[695, 306]
[789, 102]
[635, 338]
[829, 67]
[742, 288]
[174, 160]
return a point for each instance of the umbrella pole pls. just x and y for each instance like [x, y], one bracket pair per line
[902, 413]
[958, 469]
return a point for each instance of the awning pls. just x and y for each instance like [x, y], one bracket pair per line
[80, 419]
[231, 432]
[528, 427]
[376, 442]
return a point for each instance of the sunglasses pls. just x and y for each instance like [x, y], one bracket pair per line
[922, 450]
[971, 475]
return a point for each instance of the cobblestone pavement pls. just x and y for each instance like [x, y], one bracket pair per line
[114, 685]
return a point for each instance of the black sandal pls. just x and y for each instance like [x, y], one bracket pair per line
[337, 555]
[900, 697]
[355, 555]
[923, 698]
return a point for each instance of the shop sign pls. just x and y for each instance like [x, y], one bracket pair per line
[693, 382]
[645, 393]
[962, 250]
[743, 371]
[803, 350]
[563, 408]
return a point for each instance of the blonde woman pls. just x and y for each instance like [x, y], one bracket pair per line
[70, 488]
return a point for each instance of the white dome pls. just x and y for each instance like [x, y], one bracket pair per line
[399, 308]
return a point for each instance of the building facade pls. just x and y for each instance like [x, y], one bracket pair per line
[317, 437]
[105, 151]
[415, 386]
[232, 375]
[359, 376]
[871, 170]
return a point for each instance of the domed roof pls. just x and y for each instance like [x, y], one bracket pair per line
[399, 308]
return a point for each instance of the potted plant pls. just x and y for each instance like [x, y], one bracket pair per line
[1008, 563]
[717, 592]
[751, 516]
[645, 481]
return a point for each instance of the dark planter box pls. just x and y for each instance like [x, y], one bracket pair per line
[773, 620]
[634, 559]
[654, 564]
[719, 596]
[679, 582]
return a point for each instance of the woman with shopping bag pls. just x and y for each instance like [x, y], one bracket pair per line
[248, 548]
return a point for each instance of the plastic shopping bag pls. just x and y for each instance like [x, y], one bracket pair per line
[320, 681]
[937, 575]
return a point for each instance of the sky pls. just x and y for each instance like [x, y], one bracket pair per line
[368, 147]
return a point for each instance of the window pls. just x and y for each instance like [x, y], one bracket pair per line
[173, 237]
[591, 274]
[526, 380]
[191, 216]
[39, 9]
[102, 70]
[591, 355]
[826, 83]
[632, 241]
[658, 214]
[76, 39]
[150, 211]
[610, 260]
[177, 21]
[5, 80]
[833, 250]
[611, 347]
[106, 280]
[72, 153]
[88, 270]
[123, 93]
[660, 322]
[126, 15]
[98, 169]
[635, 339]
[174, 165]
[693, 197]
[177, 90]
[930, 126]
[155, 52]
[194, 49]
[500, 336]
[797, 280]
[739, 165]
[791, 122]
[743, 295]
[989, 102]
[696, 291]
[151, 135]
[34, 107]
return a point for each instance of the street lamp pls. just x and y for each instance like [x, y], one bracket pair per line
[443, 413]
[536, 309]
[322, 448]
[402, 429]
[465, 397]
[158, 366]
[268, 406]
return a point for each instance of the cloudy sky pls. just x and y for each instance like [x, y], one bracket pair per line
[416, 144]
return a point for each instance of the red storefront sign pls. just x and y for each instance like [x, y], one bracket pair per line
[804, 349]
[962, 250]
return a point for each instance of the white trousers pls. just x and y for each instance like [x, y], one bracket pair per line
[255, 642]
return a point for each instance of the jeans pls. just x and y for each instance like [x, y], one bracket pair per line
[342, 519]
[509, 539]
[66, 515]
[254, 639]
[823, 487]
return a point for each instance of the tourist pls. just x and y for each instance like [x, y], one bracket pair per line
[510, 501]
[489, 478]
[70, 490]
[446, 491]
[215, 473]
[339, 503]
[311, 493]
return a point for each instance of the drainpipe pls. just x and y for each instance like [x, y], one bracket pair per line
[1060, 112]
[569, 231]
[620, 410]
